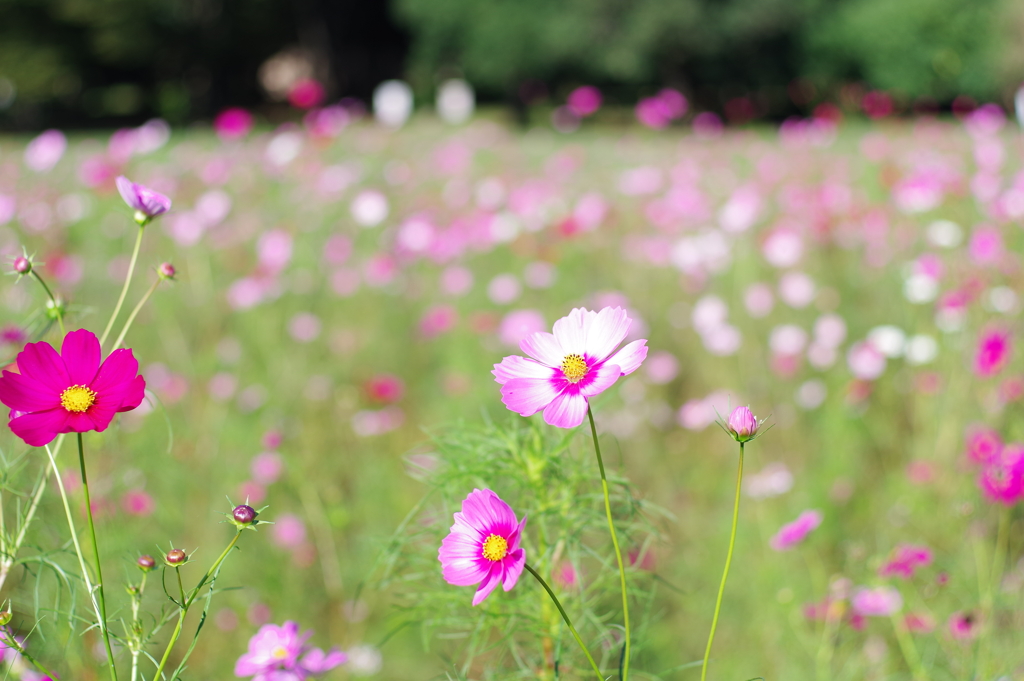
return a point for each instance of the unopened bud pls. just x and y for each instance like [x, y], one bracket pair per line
[166, 270]
[55, 310]
[22, 265]
[244, 515]
[742, 424]
[176, 557]
[146, 563]
[5, 617]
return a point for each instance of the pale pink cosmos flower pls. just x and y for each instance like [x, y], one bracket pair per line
[994, 348]
[43, 153]
[146, 203]
[518, 324]
[483, 545]
[793, 533]
[266, 467]
[289, 532]
[576, 362]
[906, 559]
[880, 601]
[280, 653]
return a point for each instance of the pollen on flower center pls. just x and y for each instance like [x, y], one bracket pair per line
[574, 367]
[279, 653]
[77, 398]
[495, 548]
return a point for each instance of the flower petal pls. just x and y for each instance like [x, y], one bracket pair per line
[514, 563]
[81, 355]
[527, 396]
[118, 368]
[515, 366]
[40, 428]
[570, 332]
[605, 331]
[41, 362]
[567, 410]
[487, 586]
[24, 394]
[318, 662]
[544, 348]
[127, 189]
[134, 394]
[599, 379]
[630, 357]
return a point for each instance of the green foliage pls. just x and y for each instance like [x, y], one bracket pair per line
[551, 477]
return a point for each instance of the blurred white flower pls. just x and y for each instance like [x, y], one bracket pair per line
[392, 103]
[455, 101]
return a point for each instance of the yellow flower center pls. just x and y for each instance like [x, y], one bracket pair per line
[78, 398]
[495, 548]
[279, 653]
[574, 367]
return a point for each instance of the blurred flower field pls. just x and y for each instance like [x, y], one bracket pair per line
[344, 289]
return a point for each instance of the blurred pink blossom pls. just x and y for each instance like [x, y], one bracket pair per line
[584, 101]
[963, 626]
[288, 531]
[438, 320]
[879, 601]
[384, 388]
[266, 467]
[793, 533]
[994, 347]
[906, 559]
[43, 152]
[983, 444]
[138, 502]
[233, 123]
[518, 324]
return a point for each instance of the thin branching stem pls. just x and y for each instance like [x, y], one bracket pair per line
[53, 299]
[725, 572]
[99, 569]
[565, 617]
[134, 314]
[615, 543]
[11, 642]
[908, 648]
[124, 289]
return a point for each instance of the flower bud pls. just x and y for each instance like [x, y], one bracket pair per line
[22, 265]
[5, 617]
[146, 563]
[742, 424]
[243, 515]
[176, 557]
[55, 310]
[166, 270]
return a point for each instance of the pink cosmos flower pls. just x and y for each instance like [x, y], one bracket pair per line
[233, 123]
[567, 367]
[905, 561]
[793, 533]
[742, 424]
[142, 199]
[43, 153]
[1002, 480]
[993, 351]
[584, 100]
[983, 444]
[483, 546]
[963, 626]
[275, 651]
[138, 502]
[70, 392]
[881, 601]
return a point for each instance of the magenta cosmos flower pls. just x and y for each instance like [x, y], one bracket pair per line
[275, 652]
[146, 203]
[71, 392]
[483, 546]
[570, 366]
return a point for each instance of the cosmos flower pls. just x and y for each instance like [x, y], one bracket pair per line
[146, 203]
[994, 348]
[880, 601]
[70, 392]
[567, 367]
[905, 561]
[793, 533]
[275, 651]
[483, 546]
[1002, 479]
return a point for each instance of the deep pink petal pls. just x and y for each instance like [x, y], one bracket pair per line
[83, 422]
[39, 361]
[527, 396]
[605, 331]
[488, 514]
[318, 662]
[24, 394]
[513, 539]
[514, 563]
[487, 586]
[630, 357]
[119, 368]
[544, 348]
[570, 332]
[134, 394]
[81, 354]
[515, 366]
[40, 428]
[599, 379]
[567, 410]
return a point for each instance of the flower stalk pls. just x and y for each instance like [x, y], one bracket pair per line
[565, 617]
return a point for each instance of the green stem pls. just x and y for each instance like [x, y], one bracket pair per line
[136, 633]
[124, 289]
[995, 578]
[99, 568]
[53, 299]
[12, 642]
[187, 603]
[908, 648]
[615, 543]
[135, 312]
[725, 573]
[565, 617]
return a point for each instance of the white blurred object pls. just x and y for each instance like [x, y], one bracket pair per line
[455, 101]
[284, 148]
[1018, 103]
[369, 208]
[888, 340]
[945, 234]
[364, 660]
[921, 349]
[771, 481]
[392, 103]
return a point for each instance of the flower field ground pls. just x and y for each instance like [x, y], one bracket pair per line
[326, 346]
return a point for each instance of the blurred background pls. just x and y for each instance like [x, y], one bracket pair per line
[89, 63]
